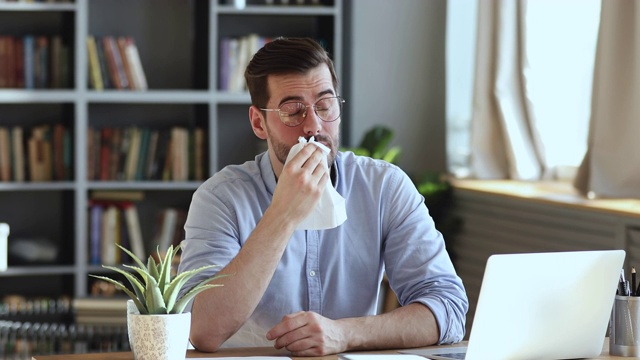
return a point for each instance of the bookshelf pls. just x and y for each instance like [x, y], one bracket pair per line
[179, 46]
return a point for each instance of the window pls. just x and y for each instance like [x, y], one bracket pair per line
[559, 46]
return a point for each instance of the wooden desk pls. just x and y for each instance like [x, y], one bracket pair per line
[258, 351]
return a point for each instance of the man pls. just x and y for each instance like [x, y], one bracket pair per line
[314, 292]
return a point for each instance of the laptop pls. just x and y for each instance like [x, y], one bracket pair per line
[553, 305]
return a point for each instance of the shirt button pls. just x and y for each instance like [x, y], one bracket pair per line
[312, 273]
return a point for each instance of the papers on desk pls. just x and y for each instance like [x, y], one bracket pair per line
[379, 357]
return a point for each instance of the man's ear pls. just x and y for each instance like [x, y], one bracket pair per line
[258, 124]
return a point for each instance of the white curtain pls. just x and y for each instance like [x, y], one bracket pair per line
[611, 167]
[504, 140]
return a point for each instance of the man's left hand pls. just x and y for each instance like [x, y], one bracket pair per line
[306, 333]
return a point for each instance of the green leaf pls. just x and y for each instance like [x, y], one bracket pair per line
[165, 269]
[135, 258]
[139, 289]
[152, 268]
[376, 140]
[135, 283]
[392, 155]
[155, 301]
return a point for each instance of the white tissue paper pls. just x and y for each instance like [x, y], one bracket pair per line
[330, 211]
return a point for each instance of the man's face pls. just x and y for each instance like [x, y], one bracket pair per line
[306, 88]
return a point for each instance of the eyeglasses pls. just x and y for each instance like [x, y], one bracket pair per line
[294, 113]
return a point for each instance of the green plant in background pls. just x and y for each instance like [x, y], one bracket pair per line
[375, 144]
[154, 291]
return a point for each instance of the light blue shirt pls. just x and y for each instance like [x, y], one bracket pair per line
[335, 272]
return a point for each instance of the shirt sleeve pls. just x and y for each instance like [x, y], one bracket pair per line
[211, 236]
[416, 260]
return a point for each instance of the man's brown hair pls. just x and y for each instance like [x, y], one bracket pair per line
[284, 56]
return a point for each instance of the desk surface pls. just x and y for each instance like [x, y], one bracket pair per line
[258, 351]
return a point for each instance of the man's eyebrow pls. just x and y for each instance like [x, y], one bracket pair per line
[299, 98]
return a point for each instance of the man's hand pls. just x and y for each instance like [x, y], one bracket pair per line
[301, 183]
[307, 333]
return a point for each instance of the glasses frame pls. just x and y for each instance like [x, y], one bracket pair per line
[340, 99]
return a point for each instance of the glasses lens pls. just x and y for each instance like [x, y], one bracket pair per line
[291, 113]
[328, 109]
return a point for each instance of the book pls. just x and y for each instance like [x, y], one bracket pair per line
[19, 61]
[90, 162]
[5, 151]
[100, 310]
[150, 162]
[118, 62]
[131, 165]
[4, 61]
[123, 154]
[95, 233]
[145, 133]
[105, 153]
[104, 68]
[166, 229]
[39, 148]
[135, 64]
[58, 152]
[114, 153]
[108, 238]
[117, 195]
[180, 153]
[56, 62]
[29, 66]
[111, 63]
[41, 61]
[67, 157]
[199, 150]
[17, 141]
[126, 64]
[133, 230]
[95, 73]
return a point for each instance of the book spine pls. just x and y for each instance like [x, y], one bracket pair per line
[29, 70]
[18, 153]
[133, 56]
[5, 157]
[95, 78]
[134, 231]
[95, 234]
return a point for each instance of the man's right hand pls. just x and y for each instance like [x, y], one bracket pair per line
[301, 183]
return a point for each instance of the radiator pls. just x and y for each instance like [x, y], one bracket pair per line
[495, 224]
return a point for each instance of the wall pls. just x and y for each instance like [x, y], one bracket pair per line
[395, 50]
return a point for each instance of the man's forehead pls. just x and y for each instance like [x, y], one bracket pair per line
[293, 85]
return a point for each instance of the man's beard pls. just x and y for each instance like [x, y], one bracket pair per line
[281, 150]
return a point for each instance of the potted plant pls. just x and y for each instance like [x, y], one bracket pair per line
[157, 326]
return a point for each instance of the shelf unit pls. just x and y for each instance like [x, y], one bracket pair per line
[178, 42]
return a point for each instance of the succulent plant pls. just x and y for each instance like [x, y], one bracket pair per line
[154, 291]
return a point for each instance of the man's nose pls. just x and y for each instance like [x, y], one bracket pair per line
[312, 123]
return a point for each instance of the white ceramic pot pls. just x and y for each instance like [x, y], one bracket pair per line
[157, 337]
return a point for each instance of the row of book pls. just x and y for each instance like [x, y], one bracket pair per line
[143, 153]
[100, 310]
[235, 54]
[21, 306]
[114, 63]
[34, 62]
[22, 340]
[118, 222]
[45, 155]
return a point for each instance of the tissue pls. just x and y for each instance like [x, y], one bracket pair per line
[330, 211]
